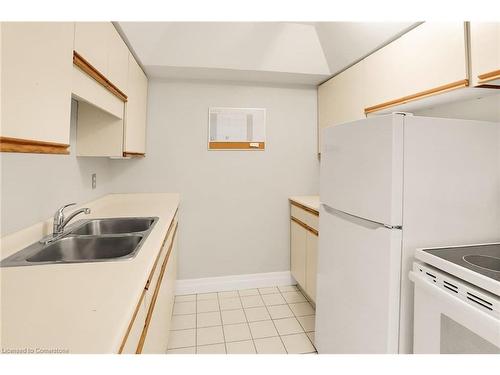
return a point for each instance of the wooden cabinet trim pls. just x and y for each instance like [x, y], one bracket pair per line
[235, 146]
[420, 95]
[130, 325]
[8, 144]
[304, 225]
[133, 154]
[91, 71]
[155, 295]
[151, 273]
[490, 76]
[294, 203]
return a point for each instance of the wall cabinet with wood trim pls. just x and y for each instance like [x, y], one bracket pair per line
[149, 326]
[125, 98]
[135, 110]
[304, 248]
[428, 60]
[428, 65]
[342, 98]
[485, 53]
[36, 75]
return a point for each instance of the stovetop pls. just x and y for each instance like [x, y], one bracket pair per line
[483, 259]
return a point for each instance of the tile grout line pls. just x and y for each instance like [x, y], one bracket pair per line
[248, 323]
[296, 317]
[222, 324]
[282, 343]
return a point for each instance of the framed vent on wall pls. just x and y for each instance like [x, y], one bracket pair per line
[236, 129]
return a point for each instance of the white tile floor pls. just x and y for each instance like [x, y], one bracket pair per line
[276, 320]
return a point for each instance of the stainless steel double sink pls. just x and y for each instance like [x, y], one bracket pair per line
[92, 240]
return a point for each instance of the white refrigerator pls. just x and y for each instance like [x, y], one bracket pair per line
[388, 185]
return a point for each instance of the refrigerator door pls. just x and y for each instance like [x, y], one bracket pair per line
[357, 308]
[362, 168]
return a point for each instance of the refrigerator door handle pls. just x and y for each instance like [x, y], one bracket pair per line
[393, 226]
[388, 226]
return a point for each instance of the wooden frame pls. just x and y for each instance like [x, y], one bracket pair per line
[259, 146]
[304, 225]
[133, 154]
[155, 295]
[296, 204]
[490, 76]
[130, 325]
[420, 95]
[8, 144]
[100, 78]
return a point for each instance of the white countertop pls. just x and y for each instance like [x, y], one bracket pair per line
[309, 201]
[80, 307]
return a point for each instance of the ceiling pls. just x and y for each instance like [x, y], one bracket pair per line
[305, 53]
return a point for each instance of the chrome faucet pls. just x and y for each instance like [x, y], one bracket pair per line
[60, 221]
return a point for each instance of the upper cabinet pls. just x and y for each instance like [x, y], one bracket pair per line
[36, 70]
[430, 64]
[485, 53]
[135, 111]
[428, 60]
[45, 64]
[342, 98]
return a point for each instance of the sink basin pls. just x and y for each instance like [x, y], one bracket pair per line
[94, 240]
[114, 226]
[84, 249]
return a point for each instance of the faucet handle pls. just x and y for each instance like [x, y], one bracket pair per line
[61, 209]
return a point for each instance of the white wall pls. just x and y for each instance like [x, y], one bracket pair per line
[34, 185]
[234, 216]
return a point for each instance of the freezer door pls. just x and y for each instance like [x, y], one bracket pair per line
[357, 303]
[362, 168]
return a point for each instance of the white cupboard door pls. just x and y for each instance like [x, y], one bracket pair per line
[428, 60]
[156, 339]
[135, 332]
[311, 264]
[118, 61]
[485, 53]
[37, 67]
[91, 42]
[298, 253]
[342, 99]
[135, 109]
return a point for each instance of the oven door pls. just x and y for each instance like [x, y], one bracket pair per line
[445, 321]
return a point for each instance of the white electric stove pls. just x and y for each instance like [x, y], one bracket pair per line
[457, 299]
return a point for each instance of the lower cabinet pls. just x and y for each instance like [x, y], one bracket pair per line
[150, 325]
[161, 306]
[304, 250]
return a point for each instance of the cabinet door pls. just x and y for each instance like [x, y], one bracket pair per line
[341, 99]
[485, 53]
[91, 42]
[298, 253]
[118, 61]
[311, 264]
[156, 339]
[36, 75]
[428, 60]
[135, 115]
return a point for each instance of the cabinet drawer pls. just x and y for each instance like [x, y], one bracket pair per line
[306, 217]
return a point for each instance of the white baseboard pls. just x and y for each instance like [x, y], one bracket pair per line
[233, 282]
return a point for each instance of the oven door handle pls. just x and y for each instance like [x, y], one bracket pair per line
[455, 307]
